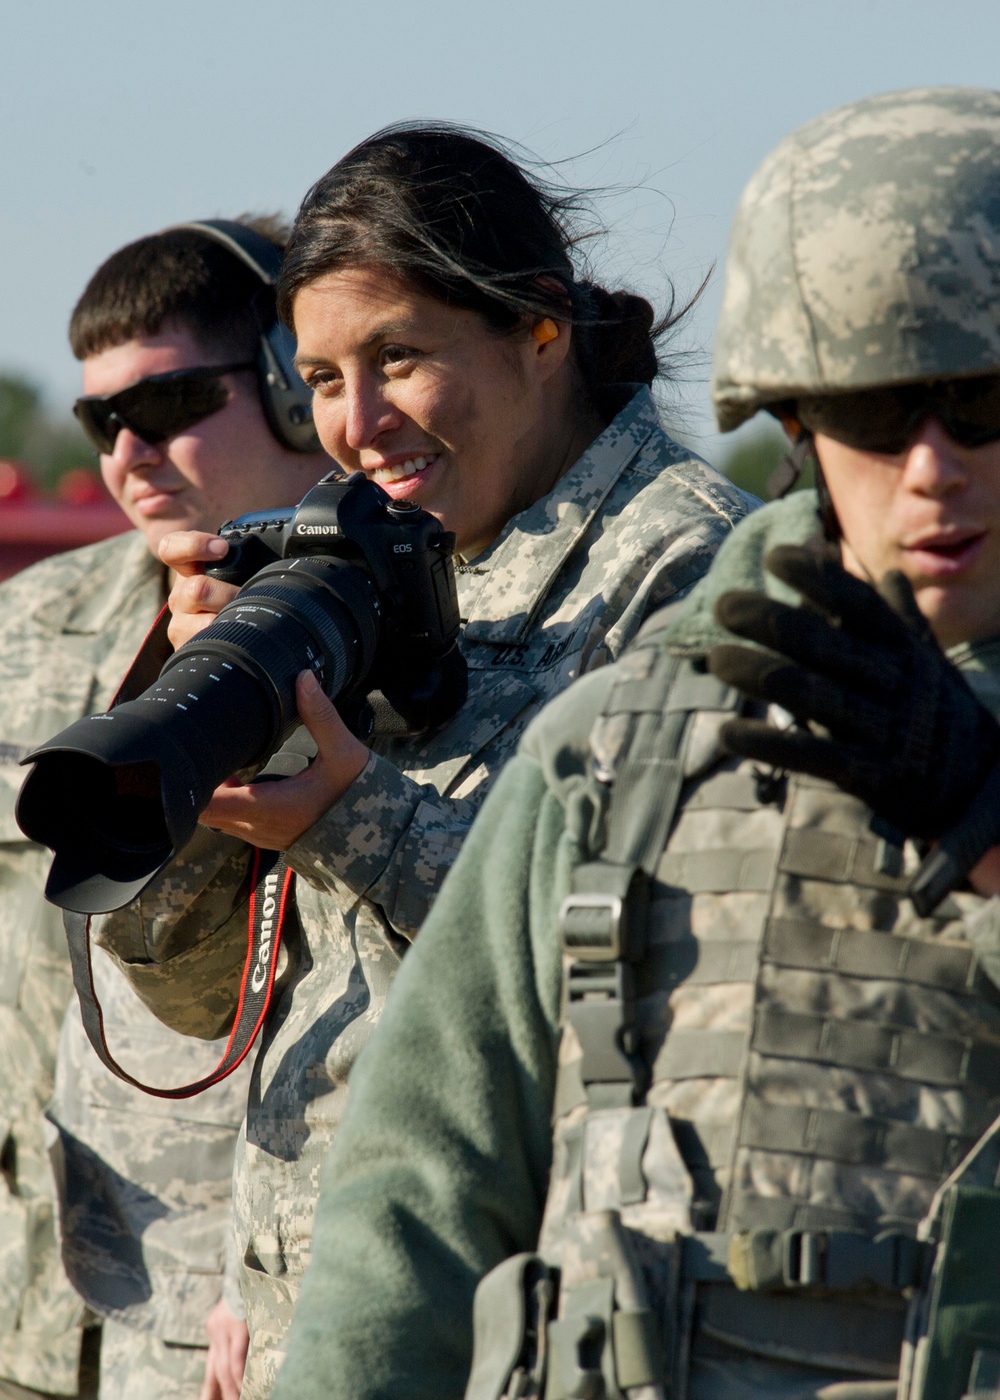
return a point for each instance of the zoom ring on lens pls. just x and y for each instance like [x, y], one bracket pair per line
[324, 638]
[305, 601]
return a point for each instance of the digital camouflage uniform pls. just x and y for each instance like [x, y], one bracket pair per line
[819, 1057]
[145, 1193]
[565, 586]
[145, 1186]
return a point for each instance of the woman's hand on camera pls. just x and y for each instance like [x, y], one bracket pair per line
[274, 815]
[194, 598]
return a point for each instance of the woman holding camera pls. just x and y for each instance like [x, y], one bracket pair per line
[458, 359]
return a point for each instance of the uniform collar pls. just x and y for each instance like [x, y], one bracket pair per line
[100, 595]
[501, 590]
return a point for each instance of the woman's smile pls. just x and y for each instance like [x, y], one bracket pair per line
[404, 477]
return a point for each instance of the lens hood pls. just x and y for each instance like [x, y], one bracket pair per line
[115, 798]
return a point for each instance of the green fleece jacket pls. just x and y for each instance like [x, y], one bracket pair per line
[441, 1167]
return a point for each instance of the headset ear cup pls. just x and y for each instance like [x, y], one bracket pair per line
[286, 400]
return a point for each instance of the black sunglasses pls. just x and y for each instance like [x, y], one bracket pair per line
[157, 407]
[885, 420]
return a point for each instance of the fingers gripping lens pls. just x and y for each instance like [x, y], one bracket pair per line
[157, 407]
[885, 420]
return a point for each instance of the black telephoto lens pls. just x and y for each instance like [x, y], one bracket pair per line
[117, 795]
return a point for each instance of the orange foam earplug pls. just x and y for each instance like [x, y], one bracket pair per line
[545, 331]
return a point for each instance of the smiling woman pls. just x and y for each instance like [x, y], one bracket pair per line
[435, 406]
[459, 357]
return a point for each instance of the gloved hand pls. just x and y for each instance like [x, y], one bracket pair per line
[903, 731]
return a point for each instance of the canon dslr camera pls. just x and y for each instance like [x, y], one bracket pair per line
[352, 585]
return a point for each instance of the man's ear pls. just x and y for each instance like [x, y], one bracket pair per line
[791, 425]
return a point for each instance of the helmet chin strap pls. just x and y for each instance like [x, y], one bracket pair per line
[825, 507]
[798, 459]
[830, 523]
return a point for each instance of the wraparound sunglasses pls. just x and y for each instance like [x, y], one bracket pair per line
[157, 407]
[885, 420]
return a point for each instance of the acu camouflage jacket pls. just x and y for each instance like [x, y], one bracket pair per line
[562, 590]
[68, 629]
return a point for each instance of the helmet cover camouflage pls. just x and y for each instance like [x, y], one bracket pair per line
[865, 251]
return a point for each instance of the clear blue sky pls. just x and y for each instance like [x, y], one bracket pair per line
[122, 116]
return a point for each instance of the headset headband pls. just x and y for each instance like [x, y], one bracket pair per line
[259, 253]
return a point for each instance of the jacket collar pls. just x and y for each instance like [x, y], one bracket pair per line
[501, 590]
[100, 595]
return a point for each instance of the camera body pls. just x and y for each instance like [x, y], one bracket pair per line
[408, 557]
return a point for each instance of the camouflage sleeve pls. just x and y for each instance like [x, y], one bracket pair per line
[389, 839]
[440, 1166]
[181, 944]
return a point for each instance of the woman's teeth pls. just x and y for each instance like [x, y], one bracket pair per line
[412, 465]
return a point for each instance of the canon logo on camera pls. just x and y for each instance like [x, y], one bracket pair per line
[317, 530]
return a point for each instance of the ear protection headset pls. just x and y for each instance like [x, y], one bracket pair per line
[286, 401]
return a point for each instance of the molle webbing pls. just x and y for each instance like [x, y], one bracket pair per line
[603, 920]
[866, 1045]
[817, 855]
[852, 1138]
[947, 1061]
[716, 872]
[813, 947]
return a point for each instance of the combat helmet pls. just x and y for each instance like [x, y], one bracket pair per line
[865, 251]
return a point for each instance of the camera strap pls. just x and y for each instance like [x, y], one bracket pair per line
[148, 661]
[271, 882]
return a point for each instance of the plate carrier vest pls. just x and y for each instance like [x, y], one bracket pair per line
[769, 1066]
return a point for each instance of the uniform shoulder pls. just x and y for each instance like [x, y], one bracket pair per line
[60, 574]
[676, 472]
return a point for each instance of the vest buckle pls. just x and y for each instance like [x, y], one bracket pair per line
[590, 926]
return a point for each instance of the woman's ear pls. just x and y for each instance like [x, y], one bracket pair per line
[551, 345]
[545, 331]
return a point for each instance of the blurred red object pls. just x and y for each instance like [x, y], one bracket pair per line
[32, 528]
[81, 488]
[16, 484]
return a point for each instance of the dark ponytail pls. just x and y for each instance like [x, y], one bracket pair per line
[450, 212]
[616, 335]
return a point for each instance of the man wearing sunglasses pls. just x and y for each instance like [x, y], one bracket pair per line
[169, 334]
[708, 1010]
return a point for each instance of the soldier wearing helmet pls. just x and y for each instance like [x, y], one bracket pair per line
[691, 1077]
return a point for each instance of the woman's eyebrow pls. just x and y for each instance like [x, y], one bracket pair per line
[383, 332]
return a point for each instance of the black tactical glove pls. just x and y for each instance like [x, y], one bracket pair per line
[900, 728]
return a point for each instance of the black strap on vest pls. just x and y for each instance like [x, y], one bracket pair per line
[271, 883]
[602, 922]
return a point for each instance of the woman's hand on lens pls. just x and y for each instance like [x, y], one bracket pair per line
[273, 815]
[194, 598]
